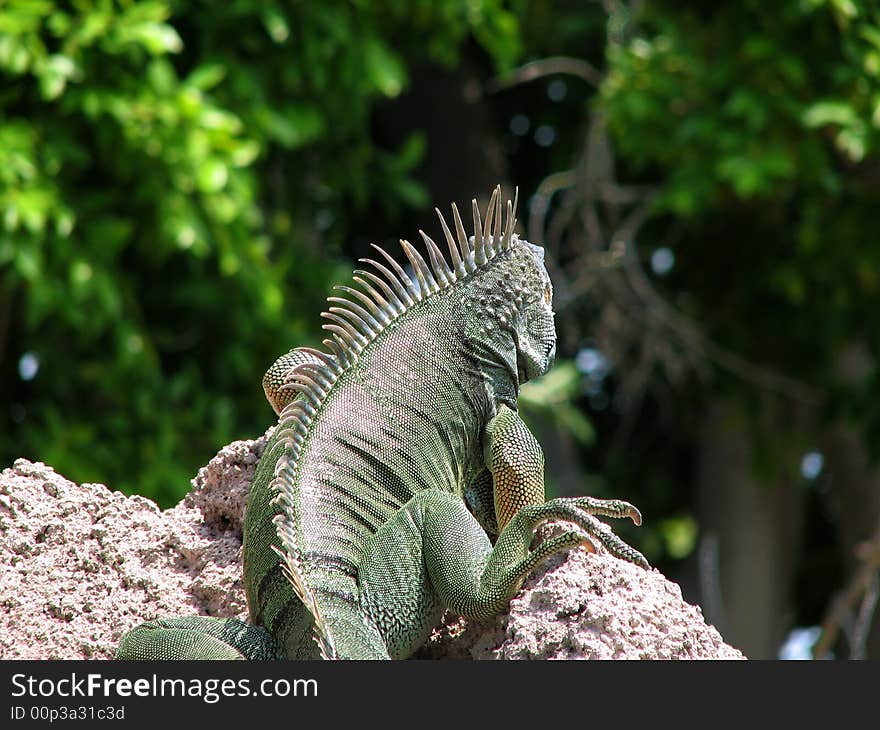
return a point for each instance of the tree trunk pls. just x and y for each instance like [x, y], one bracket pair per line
[756, 527]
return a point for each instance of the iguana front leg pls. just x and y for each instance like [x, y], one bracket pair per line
[516, 462]
[433, 554]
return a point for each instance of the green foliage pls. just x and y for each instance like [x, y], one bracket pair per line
[553, 398]
[175, 178]
[762, 123]
[679, 534]
[733, 93]
[758, 125]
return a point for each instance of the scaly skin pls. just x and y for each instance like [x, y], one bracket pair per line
[358, 532]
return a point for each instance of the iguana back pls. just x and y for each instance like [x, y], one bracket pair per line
[393, 423]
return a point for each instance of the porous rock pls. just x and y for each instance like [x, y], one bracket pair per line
[81, 564]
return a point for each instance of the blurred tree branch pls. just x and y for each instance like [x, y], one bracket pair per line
[853, 610]
[547, 67]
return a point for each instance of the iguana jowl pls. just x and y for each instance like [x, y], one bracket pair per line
[394, 445]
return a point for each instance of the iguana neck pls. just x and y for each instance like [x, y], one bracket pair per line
[495, 360]
[489, 312]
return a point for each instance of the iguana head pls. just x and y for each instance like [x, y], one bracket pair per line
[534, 328]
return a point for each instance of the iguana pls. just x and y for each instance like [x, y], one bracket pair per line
[398, 452]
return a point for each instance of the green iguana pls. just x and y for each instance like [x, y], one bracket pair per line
[398, 451]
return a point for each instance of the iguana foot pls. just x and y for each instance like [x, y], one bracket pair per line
[436, 538]
[608, 508]
[581, 511]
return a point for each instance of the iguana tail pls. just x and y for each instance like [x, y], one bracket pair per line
[292, 569]
[291, 563]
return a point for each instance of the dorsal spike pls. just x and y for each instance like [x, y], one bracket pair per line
[305, 382]
[410, 285]
[292, 435]
[352, 339]
[491, 243]
[511, 219]
[496, 233]
[372, 324]
[405, 298]
[421, 269]
[313, 351]
[391, 299]
[345, 340]
[291, 566]
[328, 361]
[457, 264]
[378, 309]
[479, 241]
[508, 227]
[341, 327]
[466, 253]
[292, 413]
[343, 315]
[324, 357]
[311, 380]
[342, 350]
[438, 261]
[321, 374]
[307, 388]
[308, 409]
[305, 408]
[340, 353]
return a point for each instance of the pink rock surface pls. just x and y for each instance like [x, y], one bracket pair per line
[582, 605]
[80, 565]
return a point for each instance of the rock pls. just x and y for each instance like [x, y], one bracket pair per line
[582, 605]
[80, 565]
